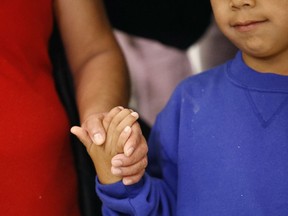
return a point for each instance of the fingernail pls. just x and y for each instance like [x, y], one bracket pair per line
[116, 171]
[98, 139]
[127, 181]
[116, 163]
[135, 114]
[129, 151]
[127, 129]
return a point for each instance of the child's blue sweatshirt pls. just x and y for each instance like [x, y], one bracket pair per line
[219, 148]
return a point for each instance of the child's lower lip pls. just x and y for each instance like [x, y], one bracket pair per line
[248, 26]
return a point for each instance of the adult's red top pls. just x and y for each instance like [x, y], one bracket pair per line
[37, 175]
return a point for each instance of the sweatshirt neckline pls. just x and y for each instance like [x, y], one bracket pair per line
[244, 76]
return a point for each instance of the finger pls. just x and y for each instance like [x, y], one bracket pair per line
[94, 126]
[82, 135]
[134, 169]
[114, 130]
[141, 151]
[126, 124]
[108, 118]
[129, 180]
[118, 117]
[128, 120]
[134, 140]
[123, 137]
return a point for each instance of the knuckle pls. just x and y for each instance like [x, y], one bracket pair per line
[136, 178]
[106, 120]
[144, 162]
[118, 129]
[143, 149]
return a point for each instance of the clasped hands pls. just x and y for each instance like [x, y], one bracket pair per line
[115, 144]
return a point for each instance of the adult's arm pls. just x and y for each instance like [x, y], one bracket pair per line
[101, 79]
[100, 75]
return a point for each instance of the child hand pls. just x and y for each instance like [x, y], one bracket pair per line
[131, 167]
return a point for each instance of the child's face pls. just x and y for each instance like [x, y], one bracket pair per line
[258, 27]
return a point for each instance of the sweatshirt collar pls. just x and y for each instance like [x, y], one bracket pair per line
[241, 74]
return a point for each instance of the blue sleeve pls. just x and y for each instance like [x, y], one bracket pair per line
[147, 197]
[155, 194]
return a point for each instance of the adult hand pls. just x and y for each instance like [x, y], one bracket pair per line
[93, 125]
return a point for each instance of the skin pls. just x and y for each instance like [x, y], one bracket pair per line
[120, 125]
[258, 28]
[99, 71]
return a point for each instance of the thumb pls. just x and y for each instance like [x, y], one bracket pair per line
[82, 135]
[95, 128]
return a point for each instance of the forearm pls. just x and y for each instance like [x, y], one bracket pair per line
[99, 70]
[101, 83]
[100, 74]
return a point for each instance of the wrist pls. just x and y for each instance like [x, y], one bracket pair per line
[103, 169]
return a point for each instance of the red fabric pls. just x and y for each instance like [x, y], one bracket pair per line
[37, 175]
